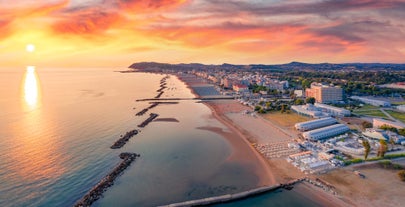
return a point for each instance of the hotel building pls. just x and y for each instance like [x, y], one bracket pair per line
[324, 93]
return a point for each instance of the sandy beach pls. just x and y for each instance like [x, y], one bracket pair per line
[246, 130]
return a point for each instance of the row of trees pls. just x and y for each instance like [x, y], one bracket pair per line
[393, 129]
[380, 152]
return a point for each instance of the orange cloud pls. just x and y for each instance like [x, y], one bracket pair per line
[89, 21]
[149, 5]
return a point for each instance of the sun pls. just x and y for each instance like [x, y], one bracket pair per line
[30, 48]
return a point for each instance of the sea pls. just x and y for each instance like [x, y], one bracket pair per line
[57, 126]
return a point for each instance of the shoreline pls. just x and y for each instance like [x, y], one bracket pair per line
[241, 147]
[266, 177]
[265, 169]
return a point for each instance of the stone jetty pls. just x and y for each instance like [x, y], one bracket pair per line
[143, 111]
[124, 139]
[152, 116]
[232, 197]
[97, 191]
[160, 94]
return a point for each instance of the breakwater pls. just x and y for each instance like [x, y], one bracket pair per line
[152, 116]
[97, 191]
[153, 105]
[124, 139]
[143, 111]
[232, 197]
[159, 95]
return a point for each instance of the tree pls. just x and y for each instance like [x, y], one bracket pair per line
[392, 142]
[310, 100]
[283, 108]
[401, 175]
[382, 149]
[366, 124]
[367, 148]
[306, 83]
[401, 132]
[257, 108]
[298, 102]
[268, 104]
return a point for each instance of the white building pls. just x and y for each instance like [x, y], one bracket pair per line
[314, 124]
[334, 111]
[370, 101]
[309, 110]
[299, 93]
[401, 108]
[325, 132]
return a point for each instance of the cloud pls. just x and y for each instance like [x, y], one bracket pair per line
[89, 21]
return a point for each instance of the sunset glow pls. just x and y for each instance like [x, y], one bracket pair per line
[117, 32]
[30, 88]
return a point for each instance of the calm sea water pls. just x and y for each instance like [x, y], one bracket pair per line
[56, 127]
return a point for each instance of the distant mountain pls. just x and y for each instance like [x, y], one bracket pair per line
[288, 66]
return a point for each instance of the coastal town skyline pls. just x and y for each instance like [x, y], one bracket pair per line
[115, 33]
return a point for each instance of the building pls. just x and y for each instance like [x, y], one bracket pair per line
[314, 124]
[370, 101]
[298, 93]
[334, 111]
[324, 93]
[325, 132]
[240, 88]
[401, 108]
[309, 110]
[377, 123]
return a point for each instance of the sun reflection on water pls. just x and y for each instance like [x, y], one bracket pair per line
[31, 88]
[36, 156]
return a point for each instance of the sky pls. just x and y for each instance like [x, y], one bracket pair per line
[120, 32]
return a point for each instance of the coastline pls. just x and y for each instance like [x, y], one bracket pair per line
[241, 136]
[239, 141]
[241, 145]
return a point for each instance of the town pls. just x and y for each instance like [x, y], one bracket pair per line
[336, 117]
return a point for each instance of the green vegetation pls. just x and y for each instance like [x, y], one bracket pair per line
[401, 175]
[369, 107]
[376, 113]
[398, 103]
[353, 161]
[299, 102]
[389, 128]
[388, 157]
[387, 164]
[310, 100]
[382, 149]
[367, 149]
[366, 124]
[397, 115]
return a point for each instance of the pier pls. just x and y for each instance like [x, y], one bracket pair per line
[96, 192]
[152, 116]
[124, 139]
[233, 197]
